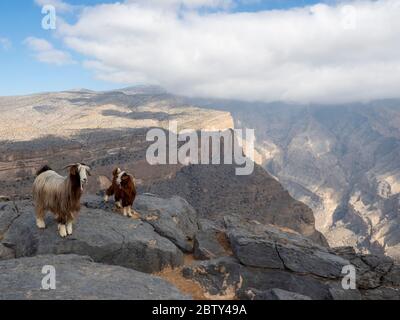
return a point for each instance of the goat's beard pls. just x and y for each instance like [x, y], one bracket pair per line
[83, 185]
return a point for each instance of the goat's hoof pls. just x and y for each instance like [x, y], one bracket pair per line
[41, 224]
[69, 229]
[106, 199]
[62, 229]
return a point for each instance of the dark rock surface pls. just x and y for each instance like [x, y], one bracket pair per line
[173, 218]
[276, 294]
[6, 253]
[268, 259]
[246, 259]
[262, 246]
[261, 197]
[209, 245]
[79, 278]
[223, 275]
[105, 236]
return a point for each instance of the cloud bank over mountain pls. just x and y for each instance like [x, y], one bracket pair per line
[323, 53]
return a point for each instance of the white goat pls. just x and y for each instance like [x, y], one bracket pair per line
[60, 195]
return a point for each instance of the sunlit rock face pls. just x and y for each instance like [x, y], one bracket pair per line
[342, 161]
[107, 128]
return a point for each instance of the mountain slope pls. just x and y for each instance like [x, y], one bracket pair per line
[108, 129]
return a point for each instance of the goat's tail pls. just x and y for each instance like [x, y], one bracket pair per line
[44, 169]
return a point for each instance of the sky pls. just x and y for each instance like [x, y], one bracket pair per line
[307, 51]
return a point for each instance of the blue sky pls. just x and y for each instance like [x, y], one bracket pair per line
[21, 73]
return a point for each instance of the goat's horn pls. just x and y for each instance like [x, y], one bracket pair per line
[69, 166]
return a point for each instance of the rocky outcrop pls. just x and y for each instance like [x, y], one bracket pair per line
[209, 244]
[173, 218]
[238, 258]
[105, 236]
[260, 246]
[276, 294]
[378, 277]
[79, 278]
[216, 191]
[271, 263]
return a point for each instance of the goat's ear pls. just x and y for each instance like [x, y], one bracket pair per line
[73, 170]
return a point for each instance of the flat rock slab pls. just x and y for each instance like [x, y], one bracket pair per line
[104, 236]
[226, 276]
[207, 245]
[264, 246]
[173, 218]
[79, 278]
[278, 294]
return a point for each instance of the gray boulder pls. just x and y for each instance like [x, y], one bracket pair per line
[79, 278]
[104, 236]
[382, 293]
[172, 218]
[228, 277]
[210, 244]
[265, 246]
[373, 271]
[276, 294]
[8, 213]
[6, 253]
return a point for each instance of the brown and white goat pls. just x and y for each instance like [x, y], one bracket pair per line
[124, 191]
[60, 195]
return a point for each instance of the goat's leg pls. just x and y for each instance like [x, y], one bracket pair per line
[109, 193]
[40, 214]
[129, 211]
[70, 227]
[70, 220]
[62, 228]
[118, 204]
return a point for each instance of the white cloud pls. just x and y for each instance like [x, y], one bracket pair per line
[321, 53]
[5, 43]
[46, 53]
[60, 5]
